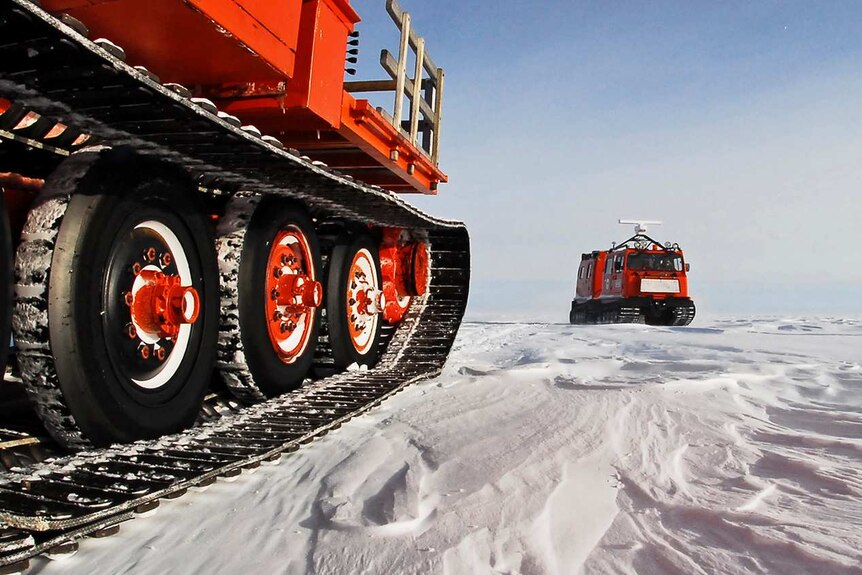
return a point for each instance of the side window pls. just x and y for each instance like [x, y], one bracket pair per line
[590, 270]
[581, 273]
[618, 264]
[608, 266]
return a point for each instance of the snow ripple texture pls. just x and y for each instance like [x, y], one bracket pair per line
[734, 447]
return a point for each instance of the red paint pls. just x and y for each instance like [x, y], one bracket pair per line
[276, 65]
[404, 269]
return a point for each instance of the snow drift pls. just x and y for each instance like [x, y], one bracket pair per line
[735, 447]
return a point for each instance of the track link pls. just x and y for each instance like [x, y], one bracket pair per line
[50, 69]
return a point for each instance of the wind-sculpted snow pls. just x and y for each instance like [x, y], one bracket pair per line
[733, 447]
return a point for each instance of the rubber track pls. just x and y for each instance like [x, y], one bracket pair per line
[48, 68]
[681, 315]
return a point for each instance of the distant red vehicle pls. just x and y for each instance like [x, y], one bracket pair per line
[637, 281]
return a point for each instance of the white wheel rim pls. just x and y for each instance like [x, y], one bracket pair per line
[363, 262]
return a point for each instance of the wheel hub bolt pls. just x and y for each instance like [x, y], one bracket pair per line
[161, 354]
[129, 298]
[277, 273]
[165, 259]
[131, 331]
[136, 268]
[144, 350]
[150, 254]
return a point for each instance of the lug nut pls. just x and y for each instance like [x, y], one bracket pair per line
[150, 254]
[277, 316]
[136, 268]
[144, 350]
[284, 328]
[131, 331]
[129, 299]
[165, 259]
[161, 354]
[277, 272]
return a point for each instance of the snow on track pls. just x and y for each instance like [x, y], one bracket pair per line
[734, 447]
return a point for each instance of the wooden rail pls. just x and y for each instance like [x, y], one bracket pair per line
[423, 92]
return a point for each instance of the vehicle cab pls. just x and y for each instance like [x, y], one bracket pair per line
[653, 273]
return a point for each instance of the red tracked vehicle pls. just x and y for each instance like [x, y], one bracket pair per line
[637, 281]
[197, 208]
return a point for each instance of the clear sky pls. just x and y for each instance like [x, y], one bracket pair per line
[739, 124]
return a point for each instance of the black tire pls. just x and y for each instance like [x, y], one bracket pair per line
[6, 282]
[117, 206]
[344, 352]
[268, 371]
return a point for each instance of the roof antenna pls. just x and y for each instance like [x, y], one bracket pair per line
[640, 225]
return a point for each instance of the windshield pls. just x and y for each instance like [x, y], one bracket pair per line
[655, 262]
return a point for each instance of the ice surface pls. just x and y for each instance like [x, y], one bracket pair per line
[731, 447]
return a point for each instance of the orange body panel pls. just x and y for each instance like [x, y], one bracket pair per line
[276, 64]
[181, 42]
[596, 278]
[319, 81]
[591, 276]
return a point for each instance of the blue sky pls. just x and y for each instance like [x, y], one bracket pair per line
[739, 124]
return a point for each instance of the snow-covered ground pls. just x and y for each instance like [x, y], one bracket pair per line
[733, 447]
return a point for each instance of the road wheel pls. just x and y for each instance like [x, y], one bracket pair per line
[271, 296]
[131, 292]
[354, 302]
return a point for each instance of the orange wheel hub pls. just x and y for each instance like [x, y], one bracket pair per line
[161, 305]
